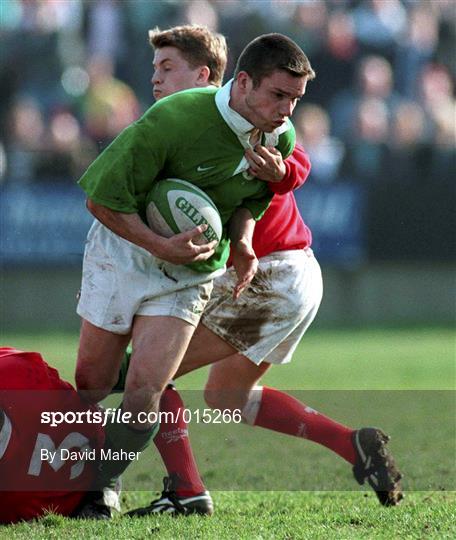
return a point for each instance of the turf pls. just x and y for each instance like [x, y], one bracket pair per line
[410, 359]
[250, 516]
[267, 485]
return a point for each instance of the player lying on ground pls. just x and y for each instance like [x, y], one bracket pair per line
[127, 291]
[35, 477]
[263, 327]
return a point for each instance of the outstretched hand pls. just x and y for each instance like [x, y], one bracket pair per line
[245, 264]
[184, 248]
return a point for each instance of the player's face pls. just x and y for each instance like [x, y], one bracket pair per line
[173, 73]
[273, 101]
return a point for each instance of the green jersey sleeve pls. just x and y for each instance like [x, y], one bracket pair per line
[287, 141]
[124, 172]
[258, 206]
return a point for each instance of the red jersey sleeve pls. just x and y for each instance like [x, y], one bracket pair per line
[297, 170]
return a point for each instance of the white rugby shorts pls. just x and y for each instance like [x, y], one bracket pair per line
[269, 319]
[121, 280]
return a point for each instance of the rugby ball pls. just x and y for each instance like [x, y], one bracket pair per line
[174, 206]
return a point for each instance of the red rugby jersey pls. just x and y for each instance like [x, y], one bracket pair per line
[29, 484]
[282, 227]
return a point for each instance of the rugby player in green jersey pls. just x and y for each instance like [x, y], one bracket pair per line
[291, 295]
[137, 285]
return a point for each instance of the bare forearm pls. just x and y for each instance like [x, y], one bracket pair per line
[245, 262]
[179, 249]
[128, 226]
[241, 227]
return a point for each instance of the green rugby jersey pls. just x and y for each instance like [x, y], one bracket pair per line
[182, 136]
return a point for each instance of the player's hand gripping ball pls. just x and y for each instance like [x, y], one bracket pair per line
[174, 206]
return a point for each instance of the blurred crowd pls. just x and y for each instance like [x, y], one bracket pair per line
[381, 112]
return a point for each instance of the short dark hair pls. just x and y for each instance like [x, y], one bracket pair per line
[272, 52]
[197, 44]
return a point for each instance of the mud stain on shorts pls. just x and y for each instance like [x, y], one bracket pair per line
[105, 266]
[253, 311]
[164, 271]
[117, 320]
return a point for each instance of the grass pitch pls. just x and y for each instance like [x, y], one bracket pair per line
[266, 485]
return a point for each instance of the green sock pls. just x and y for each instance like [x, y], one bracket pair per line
[120, 384]
[121, 440]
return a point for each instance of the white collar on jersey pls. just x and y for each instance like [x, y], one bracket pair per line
[242, 127]
[238, 123]
[5, 435]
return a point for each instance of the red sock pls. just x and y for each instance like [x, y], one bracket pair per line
[281, 412]
[174, 446]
